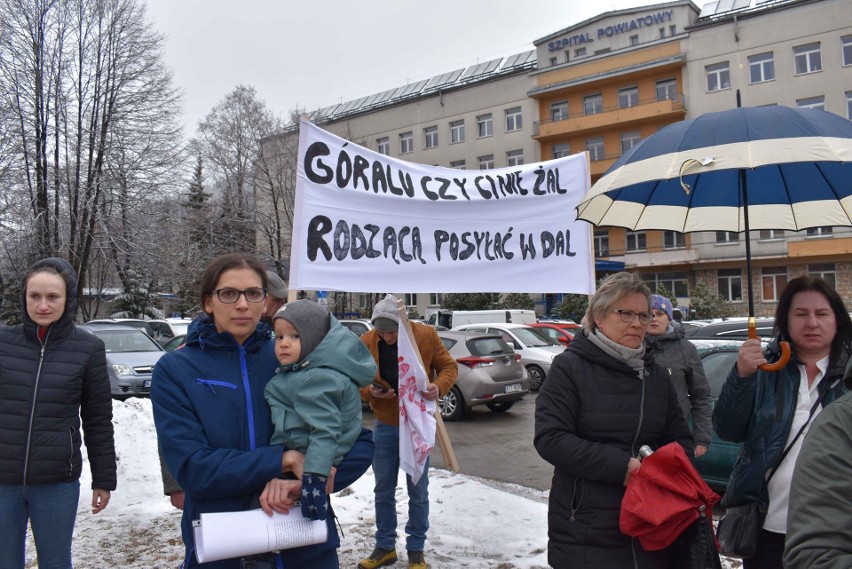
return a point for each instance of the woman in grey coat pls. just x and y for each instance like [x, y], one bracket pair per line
[680, 358]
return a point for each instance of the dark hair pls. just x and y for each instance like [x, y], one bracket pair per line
[50, 269]
[224, 263]
[843, 338]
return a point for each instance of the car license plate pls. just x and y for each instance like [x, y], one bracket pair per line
[146, 384]
[513, 388]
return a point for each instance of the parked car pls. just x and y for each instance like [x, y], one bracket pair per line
[358, 325]
[165, 330]
[490, 374]
[735, 328]
[174, 343]
[130, 354]
[537, 350]
[562, 332]
[138, 323]
[718, 358]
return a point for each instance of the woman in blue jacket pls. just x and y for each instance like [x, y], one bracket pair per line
[765, 410]
[214, 425]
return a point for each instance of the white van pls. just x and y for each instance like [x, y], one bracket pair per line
[453, 318]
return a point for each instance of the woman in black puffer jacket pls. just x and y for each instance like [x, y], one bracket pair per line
[52, 375]
[603, 399]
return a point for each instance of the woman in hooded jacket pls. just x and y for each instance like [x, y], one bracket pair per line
[53, 376]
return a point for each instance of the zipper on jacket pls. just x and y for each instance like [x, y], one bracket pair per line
[247, 388]
[71, 449]
[575, 502]
[212, 382]
[641, 415]
[32, 408]
[633, 552]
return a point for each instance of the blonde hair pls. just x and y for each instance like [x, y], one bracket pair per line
[610, 292]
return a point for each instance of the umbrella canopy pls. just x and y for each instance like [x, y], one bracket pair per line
[796, 165]
[663, 498]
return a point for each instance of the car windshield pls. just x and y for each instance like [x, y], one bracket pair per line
[179, 328]
[117, 341]
[532, 338]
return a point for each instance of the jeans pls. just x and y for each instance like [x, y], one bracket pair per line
[386, 470]
[51, 510]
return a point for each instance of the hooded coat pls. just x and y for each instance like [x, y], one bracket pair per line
[47, 389]
[315, 403]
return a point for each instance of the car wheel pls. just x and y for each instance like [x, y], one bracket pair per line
[500, 407]
[452, 405]
[536, 377]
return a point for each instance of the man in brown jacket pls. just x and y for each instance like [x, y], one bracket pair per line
[382, 397]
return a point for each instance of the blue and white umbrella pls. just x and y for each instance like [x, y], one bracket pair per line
[792, 167]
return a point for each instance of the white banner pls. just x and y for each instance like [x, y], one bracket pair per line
[416, 414]
[365, 221]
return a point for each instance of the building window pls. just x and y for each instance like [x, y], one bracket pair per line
[486, 162]
[727, 237]
[634, 39]
[718, 76]
[672, 30]
[730, 283]
[674, 240]
[769, 234]
[662, 32]
[673, 282]
[383, 145]
[515, 158]
[847, 50]
[773, 281]
[435, 298]
[819, 231]
[485, 125]
[629, 140]
[628, 97]
[811, 103]
[580, 52]
[825, 271]
[406, 142]
[807, 59]
[667, 90]
[561, 150]
[593, 104]
[430, 137]
[601, 243]
[553, 62]
[458, 165]
[410, 299]
[456, 132]
[849, 105]
[567, 56]
[634, 240]
[514, 119]
[559, 111]
[595, 146]
[761, 68]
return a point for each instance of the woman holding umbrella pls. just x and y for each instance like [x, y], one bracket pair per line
[769, 411]
[604, 399]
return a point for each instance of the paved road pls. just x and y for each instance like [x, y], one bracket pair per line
[496, 446]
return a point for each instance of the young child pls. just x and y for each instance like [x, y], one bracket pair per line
[314, 396]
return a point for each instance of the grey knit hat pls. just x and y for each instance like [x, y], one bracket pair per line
[385, 315]
[309, 319]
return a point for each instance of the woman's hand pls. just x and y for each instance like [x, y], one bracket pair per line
[280, 495]
[100, 499]
[632, 464]
[293, 462]
[750, 357]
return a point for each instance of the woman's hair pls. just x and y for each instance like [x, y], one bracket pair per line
[610, 292]
[224, 263]
[843, 338]
[65, 275]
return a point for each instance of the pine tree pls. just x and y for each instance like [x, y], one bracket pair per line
[706, 303]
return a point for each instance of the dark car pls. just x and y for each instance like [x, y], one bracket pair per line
[130, 354]
[735, 328]
[490, 373]
[718, 358]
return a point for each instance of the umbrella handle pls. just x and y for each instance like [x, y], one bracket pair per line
[785, 349]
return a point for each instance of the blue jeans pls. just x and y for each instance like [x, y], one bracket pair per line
[386, 470]
[51, 510]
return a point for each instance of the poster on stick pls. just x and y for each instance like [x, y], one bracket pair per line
[364, 220]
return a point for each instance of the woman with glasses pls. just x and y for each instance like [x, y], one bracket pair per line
[769, 411]
[604, 399]
[214, 425]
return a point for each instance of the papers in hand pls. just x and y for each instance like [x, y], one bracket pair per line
[236, 534]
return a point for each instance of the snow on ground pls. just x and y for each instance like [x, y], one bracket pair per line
[475, 523]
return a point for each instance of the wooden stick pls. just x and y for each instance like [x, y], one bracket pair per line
[441, 434]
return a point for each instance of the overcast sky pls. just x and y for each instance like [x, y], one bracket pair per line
[310, 54]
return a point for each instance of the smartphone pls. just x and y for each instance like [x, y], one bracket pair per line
[380, 387]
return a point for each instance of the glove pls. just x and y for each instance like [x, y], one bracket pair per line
[314, 499]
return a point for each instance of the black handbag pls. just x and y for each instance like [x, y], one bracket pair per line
[695, 547]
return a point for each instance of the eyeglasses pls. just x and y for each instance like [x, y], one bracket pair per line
[630, 316]
[232, 295]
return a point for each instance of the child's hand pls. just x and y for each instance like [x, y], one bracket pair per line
[293, 461]
[314, 499]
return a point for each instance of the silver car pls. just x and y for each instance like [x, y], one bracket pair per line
[490, 373]
[130, 354]
[537, 350]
